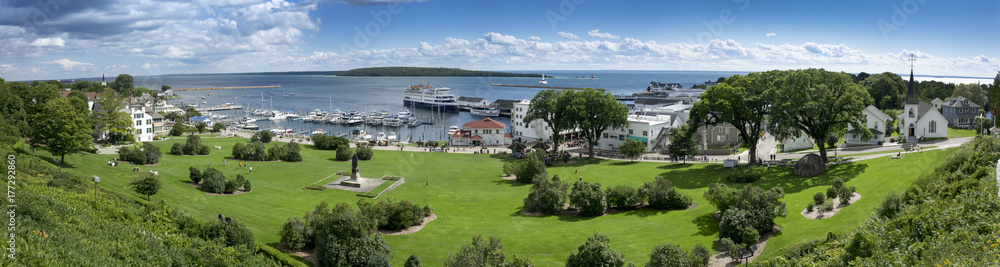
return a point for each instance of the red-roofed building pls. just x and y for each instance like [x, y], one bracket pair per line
[486, 132]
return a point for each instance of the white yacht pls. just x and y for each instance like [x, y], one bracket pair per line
[392, 136]
[486, 111]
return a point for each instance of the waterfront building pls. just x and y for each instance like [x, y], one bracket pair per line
[486, 132]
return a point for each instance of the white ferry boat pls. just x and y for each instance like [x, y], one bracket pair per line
[425, 96]
[486, 111]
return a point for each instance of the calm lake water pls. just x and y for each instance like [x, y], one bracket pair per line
[310, 92]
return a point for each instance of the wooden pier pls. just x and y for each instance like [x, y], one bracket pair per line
[228, 88]
[540, 86]
[217, 108]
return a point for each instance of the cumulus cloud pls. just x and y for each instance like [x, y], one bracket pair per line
[982, 58]
[567, 35]
[372, 2]
[770, 34]
[534, 38]
[596, 33]
[49, 42]
[69, 65]
[6, 68]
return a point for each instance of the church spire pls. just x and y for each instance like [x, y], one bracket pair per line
[911, 92]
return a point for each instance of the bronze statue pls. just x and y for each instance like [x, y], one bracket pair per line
[354, 164]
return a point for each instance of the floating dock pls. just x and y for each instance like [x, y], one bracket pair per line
[540, 86]
[227, 88]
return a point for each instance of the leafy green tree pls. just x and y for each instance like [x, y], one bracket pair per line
[364, 153]
[927, 91]
[973, 92]
[596, 252]
[742, 101]
[123, 84]
[861, 77]
[147, 184]
[993, 94]
[545, 106]
[531, 167]
[623, 196]
[348, 238]
[293, 234]
[110, 117]
[478, 253]
[164, 87]
[201, 126]
[329, 142]
[749, 206]
[669, 255]
[195, 174]
[262, 136]
[191, 112]
[412, 261]
[816, 102]
[547, 195]
[887, 89]
[632, 148]
[343, 153]
[683, 142]
[213, 181]
[589, 198]
[61, 129]
[662, 195]
[177, 130]
[13, 119]
[218, 127]
[593, 112]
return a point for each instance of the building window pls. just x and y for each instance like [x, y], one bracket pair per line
[630, 131]
[876, 125]
[138, 131]
[644, 133]
[148, 121]
[138, 123]
[933, 126]
[911, 113]
[605, 135]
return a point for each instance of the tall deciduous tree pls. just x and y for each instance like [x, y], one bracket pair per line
[887, 89]
[973, 92]
[13, 119]
[147, 184]
[632, 148]
[993, 94]
[817, 102]
[110, 118]
[593, 112]
[596, 252]
[683, 142]
[545, 106]
[61, 129]
[123, 83]
[741, 101]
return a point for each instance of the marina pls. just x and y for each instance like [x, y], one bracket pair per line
[229, 88]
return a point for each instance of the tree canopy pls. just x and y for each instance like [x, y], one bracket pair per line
[632, 148]
[593, 112]
[887, 89]
[545, 106]
[742, 101]
[973, 92]
[683, 142]
[62, 129]
[110, 118]
[817, 102]
[147, 184]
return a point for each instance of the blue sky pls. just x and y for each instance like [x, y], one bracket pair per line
[54, 39]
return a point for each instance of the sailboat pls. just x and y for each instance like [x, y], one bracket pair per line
[543, 81]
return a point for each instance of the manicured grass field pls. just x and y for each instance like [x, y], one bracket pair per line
[470, 198]
[959, 133]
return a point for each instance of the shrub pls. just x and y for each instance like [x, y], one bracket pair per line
[147, 184]
[412, 261]
[246, 185]
[218, 127]
[749, 236]
[810, 207]
[531, 167]
[831, 192]
[273, 153]
[892, 205]
[177, 130]
[837, 183]
[177, 149]
[819, 197]
[479, 253]
[394, 215]
[343, 153]
[152, 153]
[700, 255]
[747, 174]
[749, 206]
[315, 187]
[596, 251]
[327, 142]
[365, 153]
[827, 205]
[623, 196]
[844, 194]
[290, 153]
[204, 150]
[511, 168]
[726, 244]
[262, 136]
[662, 195]
[293, 234]
[669, 255]
[195, 174]
[589, 198]
[547, 196]
[238, 150]
[213, 181]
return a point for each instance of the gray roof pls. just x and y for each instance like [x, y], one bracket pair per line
[958, 102]
[873, 131]
[505, 104]
[470, 99]
[923, 108]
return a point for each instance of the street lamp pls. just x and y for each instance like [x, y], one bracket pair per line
[96, 179]
[225, 222]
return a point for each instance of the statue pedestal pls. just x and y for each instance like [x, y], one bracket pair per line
[352, 182]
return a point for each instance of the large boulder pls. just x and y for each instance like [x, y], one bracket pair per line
[810, 165]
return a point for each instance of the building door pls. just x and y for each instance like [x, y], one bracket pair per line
[911, 130]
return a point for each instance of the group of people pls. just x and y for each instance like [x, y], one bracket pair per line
[113, 162]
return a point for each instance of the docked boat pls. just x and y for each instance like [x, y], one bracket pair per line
[380, 136]
[543, 81]
[486, 111]
[250, 126]
[318, 131]
[373, 121]
[353, 120]
[405, 114]
[391, 137]
[452, 130]
[428, 97]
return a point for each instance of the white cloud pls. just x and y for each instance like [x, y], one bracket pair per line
[982, 58]
[770, 34]
[69, 65]
[6, 68]
[42, 42]
[373, 2]
[568, 35]
[596, 33]
[534, 38]
[148, 66]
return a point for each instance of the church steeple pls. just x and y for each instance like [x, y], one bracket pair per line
[911, 92]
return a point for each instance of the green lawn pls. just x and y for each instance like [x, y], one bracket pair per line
[959, 133]
[470, 198]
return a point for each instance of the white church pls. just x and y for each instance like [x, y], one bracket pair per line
[919, 119]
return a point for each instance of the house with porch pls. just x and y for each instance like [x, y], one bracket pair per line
[486, 132]
[960, 112]
[877, 123]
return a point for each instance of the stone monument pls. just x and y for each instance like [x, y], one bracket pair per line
[809, 165]
[353, 180]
